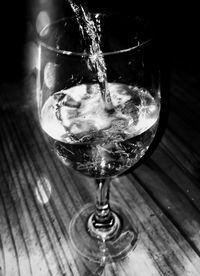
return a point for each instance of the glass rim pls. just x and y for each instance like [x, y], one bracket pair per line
[83, 54]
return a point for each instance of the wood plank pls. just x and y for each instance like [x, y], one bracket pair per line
[169, 250]
[39, 196]
[48, 236]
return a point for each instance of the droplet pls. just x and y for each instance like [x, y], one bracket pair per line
[49, 75]
[43, 190]
[42, 21]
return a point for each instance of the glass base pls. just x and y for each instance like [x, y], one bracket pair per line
[95, 249]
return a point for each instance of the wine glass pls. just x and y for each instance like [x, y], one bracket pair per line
[100, 110]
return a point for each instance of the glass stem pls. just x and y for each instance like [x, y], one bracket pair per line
[103, 212]
[103, 224]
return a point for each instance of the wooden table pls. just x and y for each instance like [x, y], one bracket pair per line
[39, 195]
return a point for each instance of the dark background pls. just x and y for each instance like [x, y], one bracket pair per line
[177, 29]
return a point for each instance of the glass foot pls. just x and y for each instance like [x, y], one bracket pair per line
[116, 246]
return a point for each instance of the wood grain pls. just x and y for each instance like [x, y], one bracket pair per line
[39, 196]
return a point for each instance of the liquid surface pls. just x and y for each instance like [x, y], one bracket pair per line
[94, 141]
[77, 115]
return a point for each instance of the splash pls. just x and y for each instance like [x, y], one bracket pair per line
[91, 32]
